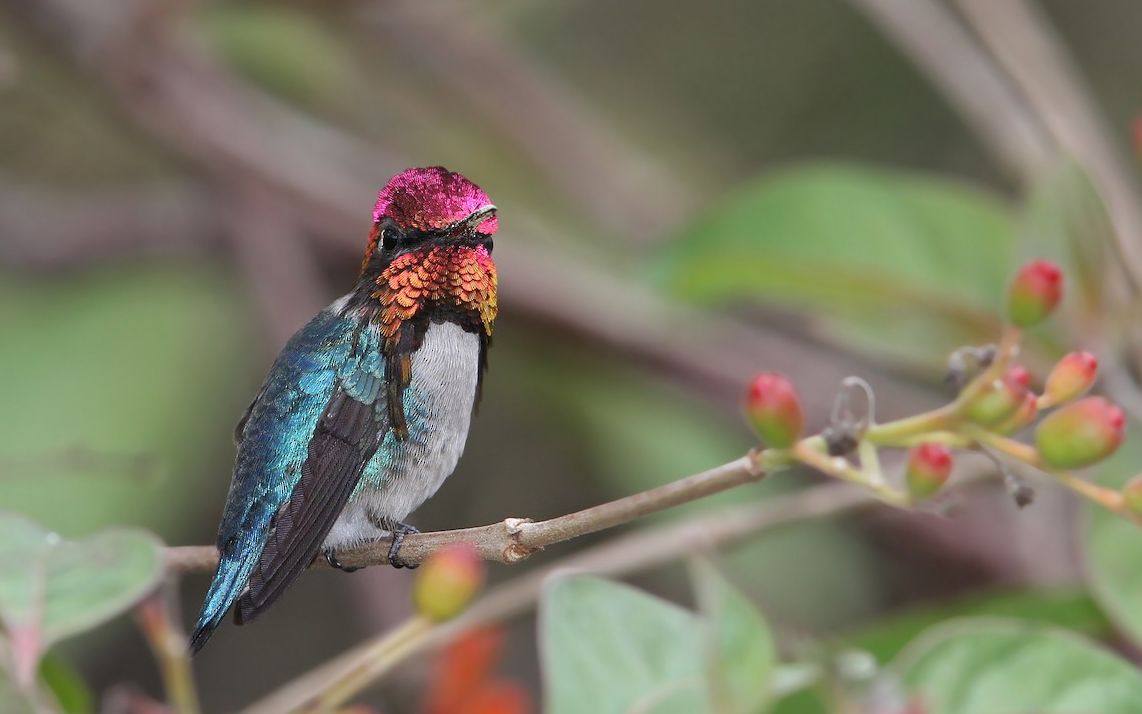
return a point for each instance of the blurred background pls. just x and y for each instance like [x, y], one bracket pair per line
[689, 193]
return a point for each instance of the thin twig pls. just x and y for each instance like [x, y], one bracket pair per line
[623, 555]
[514, 539]
[169, 645]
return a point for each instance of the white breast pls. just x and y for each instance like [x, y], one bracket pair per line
[438, 406]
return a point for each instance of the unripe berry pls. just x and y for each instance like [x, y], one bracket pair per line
[1022, 416]
[1069, 379]
[774, 410]
[448, 581]
[1132, 495]
[999, 401]
[929, 466]
[1080, 433]
[1034, 293]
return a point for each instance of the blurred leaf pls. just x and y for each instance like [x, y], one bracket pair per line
[806, 701]
[51, 588]
[897, 263]
[1065, 220]
[121, 388]
[976, 665]
[740, 647]
[286, 51]
[67, 686]
[1072, 610]
[606, 647]
[1114, 544]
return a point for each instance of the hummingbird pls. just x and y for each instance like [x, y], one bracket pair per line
[365, 411]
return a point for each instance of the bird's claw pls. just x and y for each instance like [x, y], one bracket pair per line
[331, 558]
[400, 530]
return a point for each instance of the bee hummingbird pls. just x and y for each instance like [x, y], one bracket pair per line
[366, 410]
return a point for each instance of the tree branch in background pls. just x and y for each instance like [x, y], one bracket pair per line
[939, 45]
[276, 259]
[54, 227]
[194, 104]
[577, 150]
[1023, 42]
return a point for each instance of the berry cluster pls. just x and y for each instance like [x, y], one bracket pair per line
[995, 401]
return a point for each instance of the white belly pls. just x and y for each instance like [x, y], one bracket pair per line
[438, 407]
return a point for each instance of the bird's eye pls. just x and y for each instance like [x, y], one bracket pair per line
[388, 239]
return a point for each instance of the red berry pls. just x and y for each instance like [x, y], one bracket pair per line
[774, 410]
[1022, 416]
[1034, 293]
[448, 581]
[1080, 434]
[1018, 374]
[929, 466]
[999, 401]
[1070, 378]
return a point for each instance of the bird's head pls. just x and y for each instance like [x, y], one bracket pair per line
[430, 249]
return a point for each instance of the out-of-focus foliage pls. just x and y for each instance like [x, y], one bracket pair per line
[120, 386]
[900, 263]
[1069, 609]
[1064, 219]
[998, 666]
[120, 390]
[1114, 546]
[66, 685]
[52, 588]
[286, 51]
[608, 648]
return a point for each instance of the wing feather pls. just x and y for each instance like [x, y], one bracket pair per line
[347, 436]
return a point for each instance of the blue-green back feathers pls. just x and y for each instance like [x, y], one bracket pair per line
[301, 450]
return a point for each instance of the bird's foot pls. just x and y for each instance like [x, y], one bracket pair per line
[400, 530]
[331, 558]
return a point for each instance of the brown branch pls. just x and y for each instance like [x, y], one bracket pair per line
[622, 555]
[515, 539]
[49, 226]
[278, 263]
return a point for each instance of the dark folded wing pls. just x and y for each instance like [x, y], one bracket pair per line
[347, 435]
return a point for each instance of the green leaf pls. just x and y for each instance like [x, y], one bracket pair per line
[1114, 544]
[891, 261]
[67, 686]
[607, 647]
[1065, 220]
[741, 652]
[120, 390]
[977, 665]
[1069, 609]
[51, 588]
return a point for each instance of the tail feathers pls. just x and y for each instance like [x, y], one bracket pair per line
[229, 582]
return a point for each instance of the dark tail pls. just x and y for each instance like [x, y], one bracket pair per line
[229, 582]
